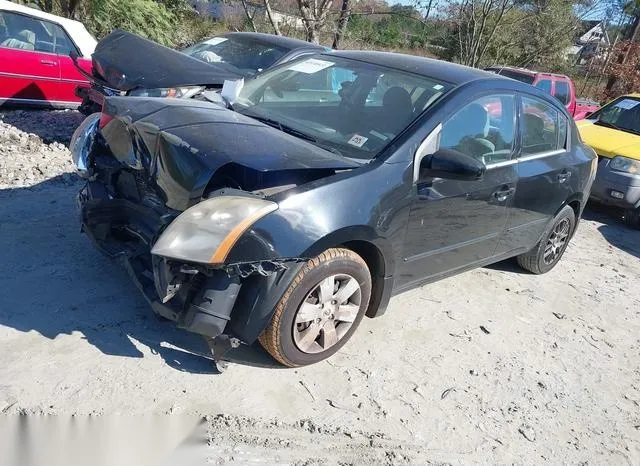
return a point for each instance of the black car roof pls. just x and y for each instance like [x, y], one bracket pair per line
[272, 39]
[437, 69]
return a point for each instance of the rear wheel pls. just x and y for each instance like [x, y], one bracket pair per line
[320, 310]
[547, 253]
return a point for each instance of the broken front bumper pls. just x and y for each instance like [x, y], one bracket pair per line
[234, 299]
[125, 230]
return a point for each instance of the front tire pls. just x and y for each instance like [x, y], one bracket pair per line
[547, 253]
[320, 310]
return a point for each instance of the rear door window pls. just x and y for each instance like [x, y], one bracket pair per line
[19, 31]
[563, 131]
[544, 85]
[562, 92]
[26, 33]
[540, 127]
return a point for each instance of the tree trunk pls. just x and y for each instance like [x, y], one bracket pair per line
[249, 15]
[46, 5]
[623, 56]
[345, 12]
[314, 17]
[313, 35]
[273, 22]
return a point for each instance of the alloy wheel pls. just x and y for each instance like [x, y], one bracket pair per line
[327, 313]
[557, 241]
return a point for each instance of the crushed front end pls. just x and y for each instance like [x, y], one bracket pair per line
[171, 200]
[124, 217]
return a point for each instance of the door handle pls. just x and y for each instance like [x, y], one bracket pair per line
[504, 193]
[48, 62]
[563, 176]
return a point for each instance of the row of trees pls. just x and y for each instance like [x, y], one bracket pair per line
[473, 32]
[528, 33]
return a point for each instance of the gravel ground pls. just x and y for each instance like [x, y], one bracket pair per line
[493, 366]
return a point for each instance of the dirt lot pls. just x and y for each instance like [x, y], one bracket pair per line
[493, 366]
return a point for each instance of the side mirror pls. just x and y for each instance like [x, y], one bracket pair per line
[74, 56]
[451, 164]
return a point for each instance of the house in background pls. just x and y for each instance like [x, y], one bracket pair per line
[590, 41]
[228, 10]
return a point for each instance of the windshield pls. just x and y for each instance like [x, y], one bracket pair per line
[622, 114]
[347, 106]
[247, 55]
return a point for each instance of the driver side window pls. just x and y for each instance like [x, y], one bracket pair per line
[483, 129]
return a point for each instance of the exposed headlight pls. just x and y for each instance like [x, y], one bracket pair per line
[170, 92]
[81, 143]
[206, 232]
[625, 164]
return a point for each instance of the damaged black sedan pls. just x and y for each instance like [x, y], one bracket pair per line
[329, 184]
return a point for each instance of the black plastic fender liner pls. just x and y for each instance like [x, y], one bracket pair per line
[257, 301]
[211, 307]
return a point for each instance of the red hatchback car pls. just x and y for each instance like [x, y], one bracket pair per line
[35, 67]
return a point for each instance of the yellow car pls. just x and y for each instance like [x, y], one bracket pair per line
[614, 133]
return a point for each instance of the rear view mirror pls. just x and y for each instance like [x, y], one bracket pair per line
[451, 164]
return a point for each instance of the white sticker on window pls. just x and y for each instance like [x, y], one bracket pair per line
[438, 87]
[215, 40]
[357, 140]
[311, 65]
[627, 104]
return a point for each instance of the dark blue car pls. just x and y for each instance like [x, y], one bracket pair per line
[327, 185]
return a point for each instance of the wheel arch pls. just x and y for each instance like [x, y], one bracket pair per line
[576, 202]
[376, 252]
[256, 304]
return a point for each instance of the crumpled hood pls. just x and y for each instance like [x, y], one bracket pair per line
[609, 142]
[182, 143]
[127, 61]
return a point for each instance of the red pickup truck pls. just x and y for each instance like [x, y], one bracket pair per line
[558, 85]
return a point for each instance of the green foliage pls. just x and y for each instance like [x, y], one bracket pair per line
[535, 35]
[147, 18]
[192, 28]
[154, 19]
[397, 27]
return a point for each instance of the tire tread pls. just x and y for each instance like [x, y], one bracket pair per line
[270, 338]
[530, 260]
